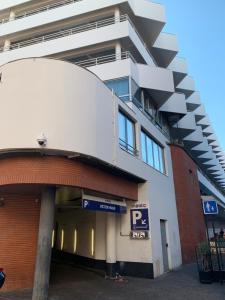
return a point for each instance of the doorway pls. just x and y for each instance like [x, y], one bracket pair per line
[164, 245]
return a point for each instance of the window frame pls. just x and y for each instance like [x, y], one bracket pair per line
[124, 144]
[160, 149]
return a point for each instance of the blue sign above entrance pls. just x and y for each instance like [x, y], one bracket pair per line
[210, 207]
[103, 206]
[139, 219]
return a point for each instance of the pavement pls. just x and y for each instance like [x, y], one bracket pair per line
[70, 283]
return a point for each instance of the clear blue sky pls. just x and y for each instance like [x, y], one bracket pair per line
[200, 28]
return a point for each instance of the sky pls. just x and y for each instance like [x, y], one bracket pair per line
[200, 29]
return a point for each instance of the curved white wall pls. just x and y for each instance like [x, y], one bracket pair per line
[68, 104]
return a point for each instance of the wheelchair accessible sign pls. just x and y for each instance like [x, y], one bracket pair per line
[139, 219]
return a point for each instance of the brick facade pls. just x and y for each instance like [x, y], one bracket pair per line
[19, 221]
[21, 179]
[189, 205]
[61, 171]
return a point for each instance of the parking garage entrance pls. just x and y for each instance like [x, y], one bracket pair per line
[84, 233]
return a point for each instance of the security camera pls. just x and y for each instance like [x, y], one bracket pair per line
[42, 141]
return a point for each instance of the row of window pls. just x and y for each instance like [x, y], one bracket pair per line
[152, 152]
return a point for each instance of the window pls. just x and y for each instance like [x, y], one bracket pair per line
[126, 134]
[120, 87]
[152, 153]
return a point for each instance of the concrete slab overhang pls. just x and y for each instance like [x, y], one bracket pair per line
[209, 155]
[212, 162]
[204, 122]
[194, 138]
[214, 144]
[184, 126]
[199, 113]
[219, 154]
[217, 150]
[150, 18]
[165, 49]
[179, 68]
[207, 131]
[201, 148]
[211, 138]
[215, 168]
[186, 86]
[193, 101]
[175, 105]
[158, 81]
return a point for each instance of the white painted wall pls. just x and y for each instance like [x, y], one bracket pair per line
[78, 114]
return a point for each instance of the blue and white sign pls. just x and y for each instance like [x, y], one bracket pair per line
[139, 219]
[210, 207]
[103, 206]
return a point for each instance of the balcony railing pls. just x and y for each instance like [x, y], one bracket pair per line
[127, 147]
[38, 10]
[75, 30]
[67, 32]
[104, 59]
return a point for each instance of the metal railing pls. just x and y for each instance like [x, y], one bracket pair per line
[67, 32]
[75, 30]
[39, 10]
[104, 59]
[127, 147]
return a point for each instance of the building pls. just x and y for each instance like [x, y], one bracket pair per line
[99, 114]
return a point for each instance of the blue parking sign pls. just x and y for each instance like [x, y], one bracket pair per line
[210, 207]
[139, 219]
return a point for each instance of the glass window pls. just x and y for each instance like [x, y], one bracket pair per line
[152, 152]
[143, 148]
[120, 87]
[149, 150]
[126, 133]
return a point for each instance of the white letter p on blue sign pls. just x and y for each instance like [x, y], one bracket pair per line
[137, 215]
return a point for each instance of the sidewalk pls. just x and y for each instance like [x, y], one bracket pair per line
[80, 284]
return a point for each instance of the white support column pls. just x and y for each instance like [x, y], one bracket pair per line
[12, 15]
[117, 14]
[118, 50]
[111, 256]
[44, 250]
[7, 44]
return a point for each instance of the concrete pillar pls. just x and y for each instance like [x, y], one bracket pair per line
[111, 245]
[117, 14]
[118, 50]
[12, 15]
[7, 44]
[43, 260]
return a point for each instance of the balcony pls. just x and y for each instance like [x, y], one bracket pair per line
[193, 101]
[148, 17]
[165, 49]
[179, 68]
[186, 86]
[94, 33]
[38, 10]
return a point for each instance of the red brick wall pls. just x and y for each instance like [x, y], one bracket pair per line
[62, 171]
[189, 205]
[20, 180]
[19, 222]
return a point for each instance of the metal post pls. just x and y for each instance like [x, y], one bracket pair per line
[217, 252]
[43, 260]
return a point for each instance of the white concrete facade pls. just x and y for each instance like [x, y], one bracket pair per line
[114, 40]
